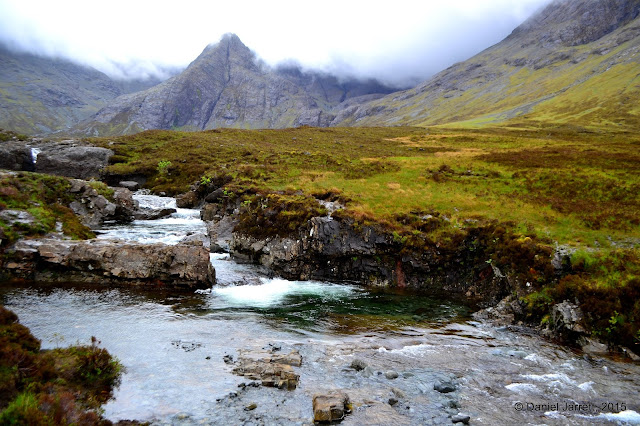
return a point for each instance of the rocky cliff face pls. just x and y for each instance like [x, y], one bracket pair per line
[227, 86]
[575, 62]
[577, 22]
[42, 95]
[335, 249]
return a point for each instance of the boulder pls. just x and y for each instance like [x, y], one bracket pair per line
[188, 200]
[16, 156]
[113, 262]
[561, 260]
[444, 386]
[331, 406]
[214, 196]
[94, 209]
[71, 160]
[566, 319]
[221, 233]
[198, 239]
[504, 313]
[131, 185]
[461, 418]
[358, 364]
[391, 374]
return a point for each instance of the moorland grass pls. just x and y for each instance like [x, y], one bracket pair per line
[563, 185]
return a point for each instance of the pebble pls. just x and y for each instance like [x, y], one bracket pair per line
[444, 387]
[393, 401]
[461, 418]
[251, 406]
[391, 374]
[358, 364]
[368, 372]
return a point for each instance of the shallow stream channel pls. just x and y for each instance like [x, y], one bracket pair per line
[401, 358]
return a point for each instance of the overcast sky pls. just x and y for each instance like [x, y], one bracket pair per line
[396, 41]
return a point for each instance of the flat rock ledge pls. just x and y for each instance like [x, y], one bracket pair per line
[183, 266]
[272, 370]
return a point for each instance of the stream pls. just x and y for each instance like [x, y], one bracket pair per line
[173, 344]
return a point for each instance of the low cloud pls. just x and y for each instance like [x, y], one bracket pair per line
[399, 43]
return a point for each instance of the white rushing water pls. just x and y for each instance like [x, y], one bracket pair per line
[169, 230]
[34, 154]
[172, 345]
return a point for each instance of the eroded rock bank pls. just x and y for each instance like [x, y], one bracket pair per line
[332, 249]
[48, 242]
[111, 262]
[483, 262]
[304, 239]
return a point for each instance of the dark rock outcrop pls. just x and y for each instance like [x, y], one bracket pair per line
[188, 200]
[15, 155]
[110, 262]
[338, 249]
[94, 209]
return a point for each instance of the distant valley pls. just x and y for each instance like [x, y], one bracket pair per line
[574, 63]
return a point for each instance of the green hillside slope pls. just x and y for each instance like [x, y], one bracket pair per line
[577, 62]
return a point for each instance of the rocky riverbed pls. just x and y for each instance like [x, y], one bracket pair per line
[401, 358]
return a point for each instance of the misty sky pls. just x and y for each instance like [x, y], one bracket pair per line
[398, 42]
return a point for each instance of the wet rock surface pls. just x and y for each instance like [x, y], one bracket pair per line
[152, 214]
[95, 209]
[271, 369]
[115, 262]
[332, 249]
[15, 155]
[331, 406]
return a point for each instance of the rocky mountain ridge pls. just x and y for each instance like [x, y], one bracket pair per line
[41, 95]
[227, 86]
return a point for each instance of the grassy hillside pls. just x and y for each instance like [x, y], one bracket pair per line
[575, 188]
[529, 78]
[42, 95]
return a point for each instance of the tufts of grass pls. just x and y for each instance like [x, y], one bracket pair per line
[607, 288]
[277, 214]
[62, 386]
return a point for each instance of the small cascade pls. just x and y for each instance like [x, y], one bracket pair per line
[170, 230]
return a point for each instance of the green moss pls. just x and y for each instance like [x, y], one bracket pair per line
[24, 410]
[102, 189]
[606, 286]
[45, 198]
